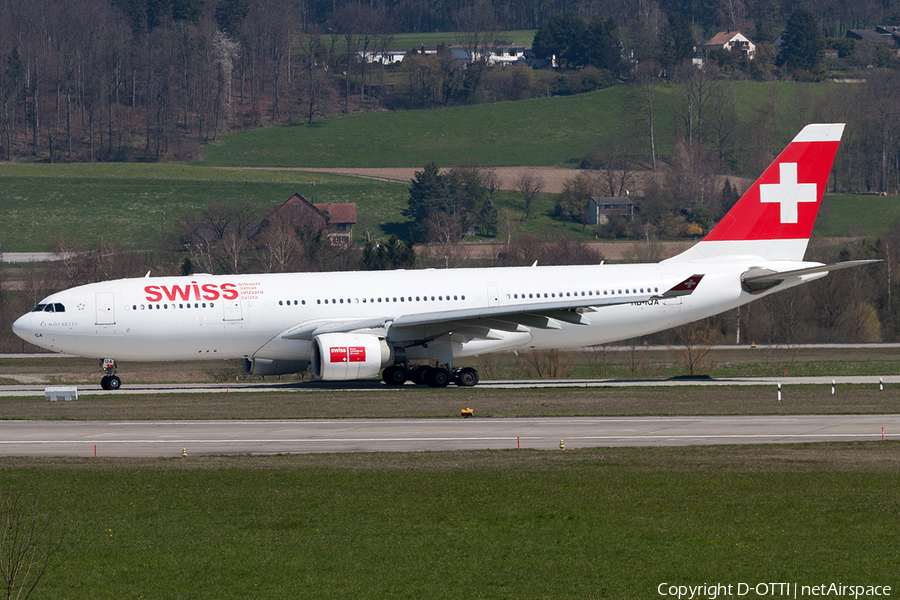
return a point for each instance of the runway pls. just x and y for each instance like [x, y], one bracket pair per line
[168, 438]
[25, 390]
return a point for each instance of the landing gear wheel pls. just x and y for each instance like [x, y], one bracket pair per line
[417, 374]
[437, 377]
[466, 377]
[110, 382]
[395, 375]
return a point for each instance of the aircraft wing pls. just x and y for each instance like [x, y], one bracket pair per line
[543, 315]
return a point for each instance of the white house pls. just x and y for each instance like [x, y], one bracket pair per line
[501, 55]
[731, 40]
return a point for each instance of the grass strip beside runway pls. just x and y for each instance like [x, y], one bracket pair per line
[486, 402]
[598, 523]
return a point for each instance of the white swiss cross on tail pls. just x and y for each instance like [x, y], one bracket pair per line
[788, 192]
[794, 182]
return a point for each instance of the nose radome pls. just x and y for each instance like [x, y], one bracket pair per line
[20, 327]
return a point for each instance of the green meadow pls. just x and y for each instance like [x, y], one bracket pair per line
[135, 203]
[542, 132]
[597, 523]
[414, 40]
[138, 205]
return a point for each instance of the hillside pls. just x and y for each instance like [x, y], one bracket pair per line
[543, 132]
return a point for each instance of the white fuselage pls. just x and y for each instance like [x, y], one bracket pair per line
[249, 316]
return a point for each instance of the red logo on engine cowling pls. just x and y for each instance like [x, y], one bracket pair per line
[191, 291]
[343, 354]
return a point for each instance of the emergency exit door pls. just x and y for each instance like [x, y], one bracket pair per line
[106, 311]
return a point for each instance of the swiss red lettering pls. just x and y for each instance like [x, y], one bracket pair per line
[176, 291]
[153, 293]
[338, 354]
[356, 354]
[228, 291]
[210, 292]
[192, 291]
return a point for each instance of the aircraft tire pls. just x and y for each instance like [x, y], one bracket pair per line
[419, 375]
[394, 375]
[104, 382]
[114, 383]
[466, 377]
[438, 378]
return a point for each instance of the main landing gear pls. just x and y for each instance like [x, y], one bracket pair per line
[109, 381]
[430, 376]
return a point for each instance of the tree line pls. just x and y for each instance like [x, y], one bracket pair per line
[119, 80]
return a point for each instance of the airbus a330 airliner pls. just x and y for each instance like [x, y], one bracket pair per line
[352, 325]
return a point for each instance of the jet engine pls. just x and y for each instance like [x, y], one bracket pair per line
[343, 356]
[265, 366]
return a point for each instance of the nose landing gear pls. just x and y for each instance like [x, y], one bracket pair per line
[109, 381]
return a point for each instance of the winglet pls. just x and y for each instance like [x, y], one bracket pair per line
[685, 288]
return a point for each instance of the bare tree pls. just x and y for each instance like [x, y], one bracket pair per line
[616, 167]
[446, 232]
[697, 339]
[646, 77]
[529, 184]
[478, 35]
[30, 541]
[279, 245]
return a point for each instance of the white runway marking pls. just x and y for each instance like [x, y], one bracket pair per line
[167, 438]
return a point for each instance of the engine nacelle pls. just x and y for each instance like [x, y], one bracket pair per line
[266, 366]
[343, 356]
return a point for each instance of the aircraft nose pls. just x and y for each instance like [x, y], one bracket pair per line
[22, 327]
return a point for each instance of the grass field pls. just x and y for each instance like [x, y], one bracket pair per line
[851, 215]
[131, 203]
[599, 523]
[548, 131]
[610, 362]
[414, 40]
[336, 403]
[553, 131]
[135, 203]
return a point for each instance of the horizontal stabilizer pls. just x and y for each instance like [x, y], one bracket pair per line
[778, 276]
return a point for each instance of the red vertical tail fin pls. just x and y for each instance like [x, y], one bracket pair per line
[774, 218]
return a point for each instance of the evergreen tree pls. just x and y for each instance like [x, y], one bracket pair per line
[679, 41]
[488, 218]
[427, 194]
[602, 48]
[229, 16]
[803, 45]
[561, 36]
[392, 254]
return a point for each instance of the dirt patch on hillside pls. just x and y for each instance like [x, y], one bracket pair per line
[555, 178]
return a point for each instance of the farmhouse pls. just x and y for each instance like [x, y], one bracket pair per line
[730, 40]
[500, 54]
[336, 219]
[601, 208]
[889, 35]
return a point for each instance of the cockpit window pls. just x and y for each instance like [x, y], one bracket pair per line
[59, 307]
[48, 308]
[39, 308]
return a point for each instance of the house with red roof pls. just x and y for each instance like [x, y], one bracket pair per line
[337, 219]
